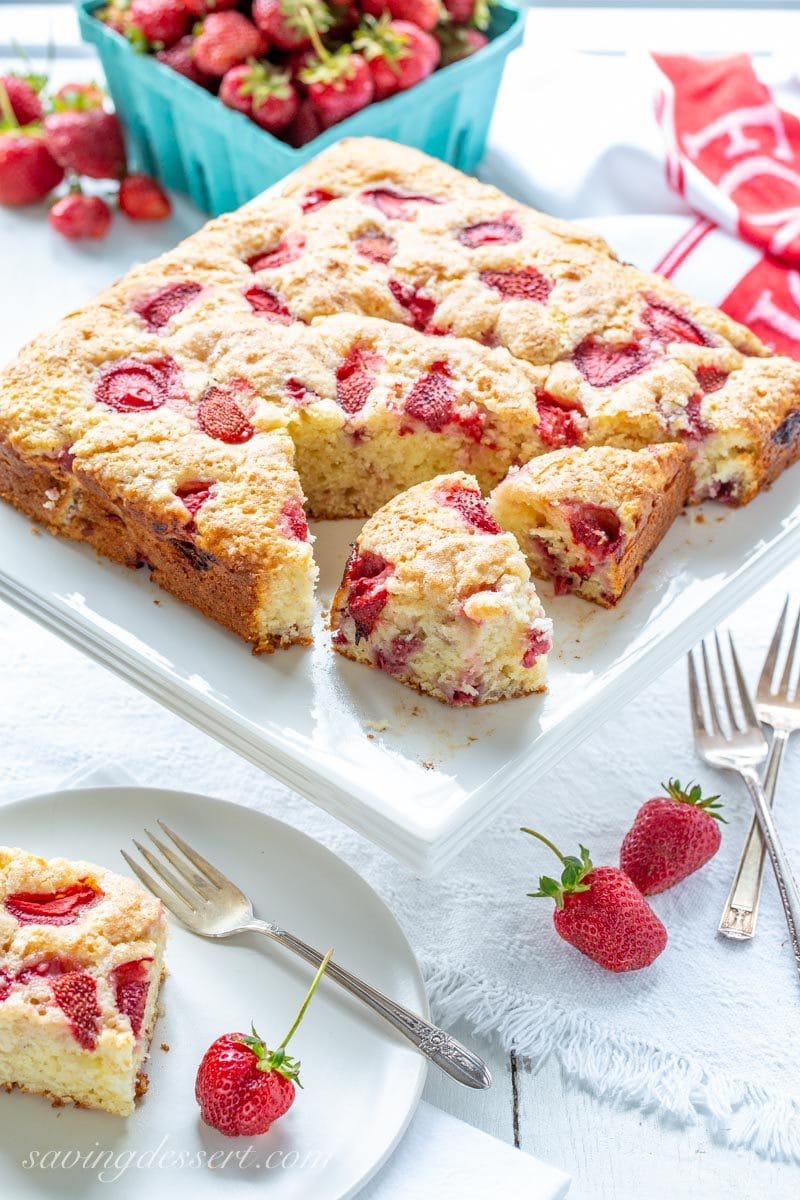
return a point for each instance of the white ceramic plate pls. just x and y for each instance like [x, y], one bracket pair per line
[361, 1081]
[410, 774]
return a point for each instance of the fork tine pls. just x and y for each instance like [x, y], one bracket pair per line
[144, 877]
[698, 716]
[744, 693]
[732, 715]
[203, 865]
[791, 653]
[712, 700]
[166, 876]
[195, 881]
[768, 669]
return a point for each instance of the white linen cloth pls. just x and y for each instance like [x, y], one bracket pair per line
[708, 1033]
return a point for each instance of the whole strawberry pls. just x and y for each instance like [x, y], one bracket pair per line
[263, 92]
[161, 23]
[284, 21]
[22, 97]
[180, 58]
[602, 913]
[459, 41]
[338, 82]
[77, 216]
[143, 199]
[87, 141]
[424, 13]
[242, 1086]
[671, 837]
[201, 8]
[399, 54]
[28, 171]
[225, 40]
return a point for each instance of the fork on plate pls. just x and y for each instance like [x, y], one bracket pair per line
[727, 735]
[777, 707]
[211, 905]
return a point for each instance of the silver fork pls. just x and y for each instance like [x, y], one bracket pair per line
[779, 709]
[735, 742]
[209, 904]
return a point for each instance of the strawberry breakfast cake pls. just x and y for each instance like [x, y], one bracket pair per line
[81, 962]
[384, 321]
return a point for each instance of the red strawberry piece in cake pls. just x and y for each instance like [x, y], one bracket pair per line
[668, 324]
[376, 246]
[366, 573]
[220, 415]
[298, 393]
[293, 521]
[431, 399]
[316, 198]
[355, 379]
[287, 250]
[137, 385]
[788, 430]
[267, 304]
[593, 526]
[604, 364]
[157, 310]
[194, 495]
[6, 983]
[397, 205]
[471, 506]
[526, 283]
[501, 232]
[394, 658]
[76, 995]
[538, 643]
[696, 427]
[131, 983]
[417, 303]
[710, 379]
[53, 908]
[558, 420]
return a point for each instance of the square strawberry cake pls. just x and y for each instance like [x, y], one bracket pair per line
[81, 962]
[437, 596]
[589, 519]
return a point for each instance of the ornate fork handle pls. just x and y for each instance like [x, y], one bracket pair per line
[437, 1045]
[787, 887]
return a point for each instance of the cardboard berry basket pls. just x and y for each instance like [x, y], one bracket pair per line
[192, 142]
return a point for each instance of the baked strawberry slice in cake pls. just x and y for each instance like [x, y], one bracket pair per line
[589, 519]
[436, 595]
[81, 963]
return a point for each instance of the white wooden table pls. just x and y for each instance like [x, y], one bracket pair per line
[611, 1154]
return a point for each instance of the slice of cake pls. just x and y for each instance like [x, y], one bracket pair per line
[588, 519]
[435, 594]
[81, 962]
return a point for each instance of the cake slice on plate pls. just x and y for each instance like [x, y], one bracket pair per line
[435, 594]
[81, 962]
[588, 519]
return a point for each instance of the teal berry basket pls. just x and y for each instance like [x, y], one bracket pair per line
[189, 140]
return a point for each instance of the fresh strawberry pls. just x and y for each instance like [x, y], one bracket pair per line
[457, 42]
[242, 1086]
[225, 40]
[77, 216]
[75, 993]
[671, 837]
[22, 98]
[161, 23]
[305, 126]
[201, 8]
[601, 912]
[53, 908]
[262, 92]
[339, 82]
[143, 199]
[86, 141]
[477, 13]
[131, 984]
[399, 53]
[284, 21]
[78, 97]
[28, 170]
[423, 13]
[180, 58]
[220, 415]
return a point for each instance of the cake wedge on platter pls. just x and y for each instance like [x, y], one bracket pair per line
[81, 963]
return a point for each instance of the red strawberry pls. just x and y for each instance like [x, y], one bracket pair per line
[602, 913]
[418, 304]
[201, 8]
[558, 421]
[339, 82]
[396, 205]
[143, 199]
[376, 246]
[670, 325]
[28, 170]
[86, 141]
[355, 379]
[471, 506]
[422, 13]
[399, 54]
[242, 1086]
[268, 305]
[160, 22]
[367, 574]
[457, 42]
[75, 994]
[285, 251]
[525, 283]
[53, 908]
[131, 983]
[158, 309]
[316, 198]
[78, 97]
[180, 58]
[538, 643]
[225, 40]
[285, 21]
[305, 126]
[261, 91]
[711, 379]
[194, 494]
[671, 837]
[77, 216]
[505, 230]
[220, 415]
[604, 364]
[593, 526]
[431, 399]
[696, 427]
[135, 385]
[293, 521]
[460, 11]
[22, 98]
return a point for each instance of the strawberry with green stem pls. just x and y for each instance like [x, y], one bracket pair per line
[28, 171]
[262, 92]
[477, 13]
[671, 837]
[457, 42]
[283, 21]
[339, 82]
[242, 1086]
[601, 912]
[399, 53]
[78, 217]
[424, 13]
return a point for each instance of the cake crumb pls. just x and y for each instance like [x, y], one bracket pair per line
[35, 531]
[165, 1047]
[378, 726]
[429, 766]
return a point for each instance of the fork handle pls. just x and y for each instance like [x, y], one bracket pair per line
[740, 915]
[438, 1046]
[787, 887]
